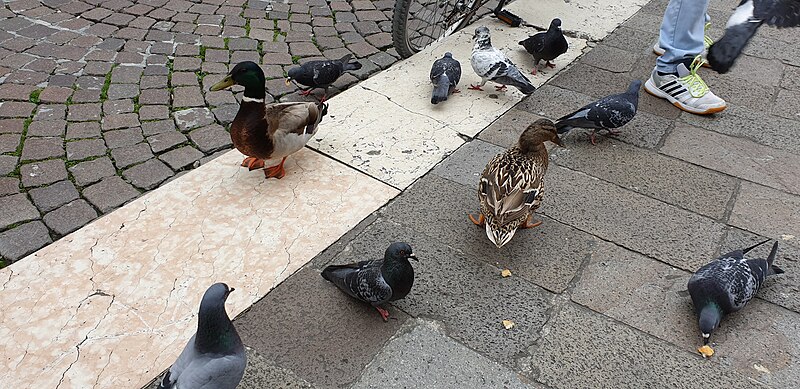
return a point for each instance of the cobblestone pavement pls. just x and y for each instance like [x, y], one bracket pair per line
[102, 101]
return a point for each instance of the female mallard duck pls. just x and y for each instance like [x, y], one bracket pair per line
[512, 184]
[268, 131]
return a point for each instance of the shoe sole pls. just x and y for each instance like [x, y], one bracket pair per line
[650, 88]
[656, 52]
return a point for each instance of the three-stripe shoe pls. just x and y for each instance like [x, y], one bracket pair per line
[686, 91]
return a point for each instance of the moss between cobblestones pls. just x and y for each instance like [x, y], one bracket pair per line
[106, 84]
[34, 97]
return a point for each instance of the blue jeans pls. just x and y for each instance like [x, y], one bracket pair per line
[682, 32]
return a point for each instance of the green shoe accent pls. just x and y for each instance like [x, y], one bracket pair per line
[707, 41]
[697, 87]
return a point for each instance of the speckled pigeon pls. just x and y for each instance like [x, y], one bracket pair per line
[445, 74]
[214, 358]
[727, 284]
[546, 45]
[378, 281]
[605, 114]
[321, 74]
[492, 65]
[744, 22]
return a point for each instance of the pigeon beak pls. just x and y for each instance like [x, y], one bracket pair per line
[226, 82]
[706, 337]
[413, 256]
[232, 289]
[288, 80]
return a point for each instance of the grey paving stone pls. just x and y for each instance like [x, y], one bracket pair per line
[189, 119]
[263, 373]
[665, 232]
[16, 208]
[165, 141]
[120, 138]
[9, 185]
[438, 208]
[601, 352]
[14, 109]
[181, 157]
[763, 128]
[53, 196]
[11, 126]
[7, 164]
[23, 240]
[786, 105]
[738, 157]
[670, 180]
[129, 155]
[491, 298]
[82, 130]
[329, 340]
[42, 172]
[157, 127]
[422, 355]
[112, 107]
[50, 112]
[122, 91]
[110, 193]
[84, 112]
[656, 302]
[766, 211]
[153, 112]
[466, 164]
[505, 131]
[226, 113]
[89, 172]
[70, 217]
[82, 149]
[47, 128]
[9, 142]
[210, 138]
[148, 175]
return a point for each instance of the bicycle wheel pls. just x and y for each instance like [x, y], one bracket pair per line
[418, 23]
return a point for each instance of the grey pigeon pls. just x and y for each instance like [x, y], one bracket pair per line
[605, 114]
[445, 74]
[547, 45]
[214, 358]
[378, 281]
[744, 22]
[492, 65]
[321, 74]
[727, 284]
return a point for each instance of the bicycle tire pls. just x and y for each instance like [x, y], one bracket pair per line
[401, 38]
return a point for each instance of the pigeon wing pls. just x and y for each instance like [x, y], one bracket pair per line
[612, 112]
[777, 13]
[213, 372]
[327, 73]
[362, 280]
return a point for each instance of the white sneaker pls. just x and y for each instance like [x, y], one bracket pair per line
[707, 42]
[686, 91]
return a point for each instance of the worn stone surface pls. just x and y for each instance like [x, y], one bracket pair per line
[23, 240]
[89, 172]
[16, 208]
[70, 217]
[109, 193]
[43, 172]
[52, 196]
[766, 211]
[148, 175]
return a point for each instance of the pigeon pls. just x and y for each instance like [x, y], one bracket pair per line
[727, 284]
[445, 74]
[214, 358]
[744, 22]
[547, 45]
[492, 65]
[605, 114]
[320, 74]
[377, 281]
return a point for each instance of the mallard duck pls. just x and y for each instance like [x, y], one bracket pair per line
[512, 184]
[268, 131]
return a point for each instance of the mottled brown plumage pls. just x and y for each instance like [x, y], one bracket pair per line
[268, 131]
[511, 187]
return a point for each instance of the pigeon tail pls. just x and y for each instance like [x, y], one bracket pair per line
[724, 52]
[347, 65]
[771, 258]
[441, 90]
[165, 384]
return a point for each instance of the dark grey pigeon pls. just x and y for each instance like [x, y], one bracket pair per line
[321, 74]
[605, 114]
[492, 65]
[445, 74]
[546, 45]
[378, 281]
[214, 358]
[727, 284]
[744, 22]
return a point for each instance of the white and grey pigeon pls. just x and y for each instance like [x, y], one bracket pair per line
[492, 65]
[378, 281]
[214, 358]
[546, 45]
[605, 114]
[727, 284]
[744, 22]
[445, 74]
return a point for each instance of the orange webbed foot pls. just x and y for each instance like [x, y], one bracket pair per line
[529, 224]
[252, 163]
[479, 221]
[276, 171]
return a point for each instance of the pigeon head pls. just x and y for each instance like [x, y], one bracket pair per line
[633, 88]
[215, 297]
[448, 55]
[247, 74]
[482, 37]
[540, 131]
[555, 24]
[399, 251]
[709, 319]
[294, 73]
[215, 332]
